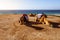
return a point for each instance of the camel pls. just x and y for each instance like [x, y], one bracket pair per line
[23, 19]
[43, 19]
[32, 15]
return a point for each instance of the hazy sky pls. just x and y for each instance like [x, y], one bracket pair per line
[29, 4]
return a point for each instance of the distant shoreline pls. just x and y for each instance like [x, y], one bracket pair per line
[32, 13]
[54, 14]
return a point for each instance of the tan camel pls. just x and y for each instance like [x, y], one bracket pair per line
[43, 20]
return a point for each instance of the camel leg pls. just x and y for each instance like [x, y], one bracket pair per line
[42, 20]
[46, 21]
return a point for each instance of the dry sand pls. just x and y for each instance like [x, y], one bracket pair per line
[10, 29]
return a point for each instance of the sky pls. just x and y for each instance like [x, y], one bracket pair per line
[29, 4]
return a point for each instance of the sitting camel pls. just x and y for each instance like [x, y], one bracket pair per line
[23, 19]
[42, 19]
[32, 15]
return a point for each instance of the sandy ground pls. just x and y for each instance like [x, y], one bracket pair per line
[10, 29]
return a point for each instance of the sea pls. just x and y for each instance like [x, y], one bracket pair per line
[48, 12]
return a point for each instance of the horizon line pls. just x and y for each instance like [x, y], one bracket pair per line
[33, 9]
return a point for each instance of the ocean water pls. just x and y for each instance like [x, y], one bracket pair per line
[49, 12]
